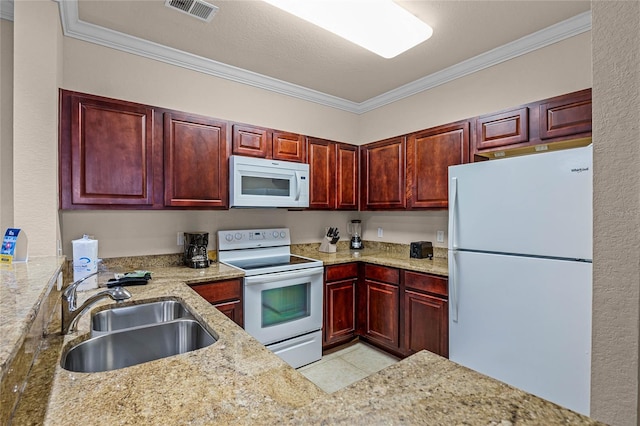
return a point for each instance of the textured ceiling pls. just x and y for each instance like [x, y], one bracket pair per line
[257, 37]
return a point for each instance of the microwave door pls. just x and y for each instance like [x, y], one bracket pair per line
[266, 183]
[265, 189]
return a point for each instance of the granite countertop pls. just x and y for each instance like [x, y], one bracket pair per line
[237, 380]
[22, 288]
[392, 255]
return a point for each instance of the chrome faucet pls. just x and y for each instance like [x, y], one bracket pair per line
[70, 313]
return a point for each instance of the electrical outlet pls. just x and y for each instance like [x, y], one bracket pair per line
[379, 232]
[440, 236]
[180, 238]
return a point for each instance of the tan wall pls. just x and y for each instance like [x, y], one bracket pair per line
[6, 124]
[556, 69]
[102, 71]
[616, 280]
[37, 59]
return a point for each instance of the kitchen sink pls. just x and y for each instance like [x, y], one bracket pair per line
[120, 349]
[137, 315]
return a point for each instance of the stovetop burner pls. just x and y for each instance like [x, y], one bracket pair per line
[267, 262]
[260, 251]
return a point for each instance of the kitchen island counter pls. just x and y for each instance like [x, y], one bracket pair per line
[237, 380]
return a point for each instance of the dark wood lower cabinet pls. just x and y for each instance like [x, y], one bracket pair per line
[224, 295]
[379, 307]
[425, 323]
[399, 311]
[382, 316]
[339, 304]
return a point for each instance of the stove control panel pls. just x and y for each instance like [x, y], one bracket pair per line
[253, 238]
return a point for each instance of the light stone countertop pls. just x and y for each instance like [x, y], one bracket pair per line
[392, 255]
[22, 288]
[238, 381]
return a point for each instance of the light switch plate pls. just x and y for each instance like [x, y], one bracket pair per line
[440, 236]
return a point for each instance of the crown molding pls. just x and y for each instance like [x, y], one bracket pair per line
[6, 10]
[571, 27]
[74, 27]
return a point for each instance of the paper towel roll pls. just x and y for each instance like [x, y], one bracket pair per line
[85, 261]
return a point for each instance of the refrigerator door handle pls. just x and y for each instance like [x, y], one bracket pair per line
[453, 285]
[453, 197]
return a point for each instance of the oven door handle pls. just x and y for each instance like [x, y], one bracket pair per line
[279, 276]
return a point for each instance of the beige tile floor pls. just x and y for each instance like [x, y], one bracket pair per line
[346, 365]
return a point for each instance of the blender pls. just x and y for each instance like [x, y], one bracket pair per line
[355, 230]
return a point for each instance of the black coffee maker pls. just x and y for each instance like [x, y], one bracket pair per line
[195, 249]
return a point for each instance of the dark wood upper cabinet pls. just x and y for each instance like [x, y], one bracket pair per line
[288, 147]
[333, 175]
[347, 181]
[107, 152]
[322, 174]
[383, 174]
[566, 115]
[253, 141]
[502, 128]
[560, 122]
[196, 154]
[429, 154]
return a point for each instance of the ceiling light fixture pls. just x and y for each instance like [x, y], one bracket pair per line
[381, 26]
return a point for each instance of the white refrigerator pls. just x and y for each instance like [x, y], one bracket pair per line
[520, 272]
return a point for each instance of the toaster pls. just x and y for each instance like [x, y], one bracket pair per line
[421, 250]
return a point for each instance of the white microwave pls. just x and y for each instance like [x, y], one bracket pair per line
[259, 182]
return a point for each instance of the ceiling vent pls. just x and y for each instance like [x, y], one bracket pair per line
[197, 8]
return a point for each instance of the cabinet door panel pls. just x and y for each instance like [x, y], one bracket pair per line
[425, 324]
[383, 174]
[196, 161]
[347, 177]
[340, 311]
[233, 310]
[382, 313]
[289, 147]
[566, 115]
[322, 158]
[505, 128]
[251, 141]
[111, 152]
[430, 153]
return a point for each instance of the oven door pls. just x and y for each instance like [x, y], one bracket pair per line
[283, 305]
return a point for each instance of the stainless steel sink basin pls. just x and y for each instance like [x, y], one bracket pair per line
[133, 346]
[134, 316]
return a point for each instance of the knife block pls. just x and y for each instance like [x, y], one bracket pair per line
[326, 246]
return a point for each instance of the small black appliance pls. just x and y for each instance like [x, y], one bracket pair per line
[195, 249]
[421, 250]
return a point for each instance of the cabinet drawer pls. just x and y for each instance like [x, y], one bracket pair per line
[382, 273]
[219, 291]
[341, 272]
[426, 283]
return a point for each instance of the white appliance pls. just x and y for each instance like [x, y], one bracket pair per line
[259, 182]
[520, 272]
[282, 292]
